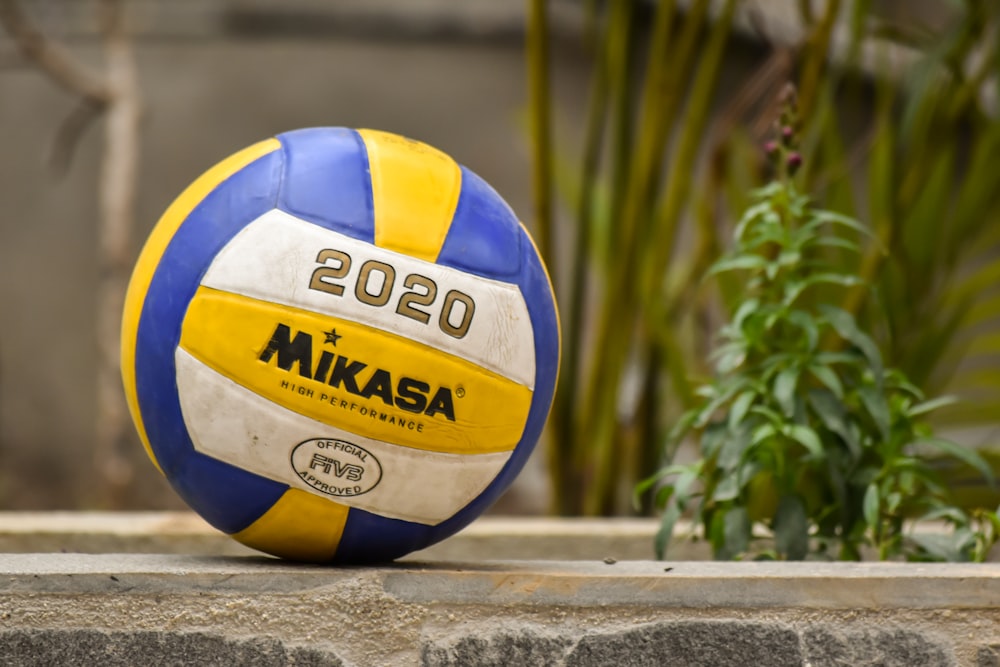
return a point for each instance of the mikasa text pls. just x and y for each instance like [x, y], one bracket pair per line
[374, 283]
[406, 393]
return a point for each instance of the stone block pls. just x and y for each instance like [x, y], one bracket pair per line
[988, 656]
[690, 644]
[28, 648]
[522, 647]
[890, 647]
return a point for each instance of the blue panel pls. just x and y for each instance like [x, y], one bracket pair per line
[370, 538]
[327, 180]
[484, 238]
[534, 286]
[228, 498]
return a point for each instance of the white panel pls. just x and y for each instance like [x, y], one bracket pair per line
[274, 257]
[235, 425]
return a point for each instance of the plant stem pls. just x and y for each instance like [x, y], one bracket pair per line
[617, 314]
[566, 439]
[812, 71]
[539, 96]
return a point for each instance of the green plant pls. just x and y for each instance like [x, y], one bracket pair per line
[669, 150]
[930, 197]
[624, 291]
[804, 431]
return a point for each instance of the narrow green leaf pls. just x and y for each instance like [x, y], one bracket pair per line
[745, 310]
[985, 344]
[739, 408]
[864, 476]
[984, 309]
[843, 279]
[770, 415]
[673, 470]
[895, 379]
[970, 287]
[922, 231]
[939, 547]
[883, 172]
[763, 236]
[820, 217]
[661, 497]
[875, 404]
[737, 531]
[833, 415]
[713, 439]
[733, 449]
[682, 487]
[807, 324]
[828, 378]
[789, 258]
[828, 358]
[729, 357]
[870, 506]
[666, 531]
[844, 324]
[931, 405]
[791, 528]
[724, 396]
[952, 514]
[768, 191]
[967, 455]
[796, 289]
[752, 214]
[762, 433]
[681, 428]
[892, 502]
[643, 486]
[807, 438]
[836, 242]
[784, 389]
[738, 262]
[727, 489]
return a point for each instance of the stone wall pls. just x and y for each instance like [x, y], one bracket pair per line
[501, 592]
[172, 609]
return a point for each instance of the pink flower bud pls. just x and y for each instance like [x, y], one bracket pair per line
[793, 161]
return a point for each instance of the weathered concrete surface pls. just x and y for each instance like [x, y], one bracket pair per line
[187, 533]
[493, 537]
[163, 609]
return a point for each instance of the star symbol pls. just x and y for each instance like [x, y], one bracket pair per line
[332, 337]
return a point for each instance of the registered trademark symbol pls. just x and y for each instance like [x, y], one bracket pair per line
[460, 392]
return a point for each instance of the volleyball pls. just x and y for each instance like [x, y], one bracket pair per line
[339, 345]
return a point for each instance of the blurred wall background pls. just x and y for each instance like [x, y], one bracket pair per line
[215, 76]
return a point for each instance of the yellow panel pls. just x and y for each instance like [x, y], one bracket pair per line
[415, 192]
[150, 256]
[231, 333]
[300, 526]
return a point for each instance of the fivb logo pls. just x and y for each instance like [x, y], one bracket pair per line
[338, 371]
[336, 467]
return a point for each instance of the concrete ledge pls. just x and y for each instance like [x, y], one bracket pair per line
[556, 592]
[157, 609]
[498, 538]
[187, 533]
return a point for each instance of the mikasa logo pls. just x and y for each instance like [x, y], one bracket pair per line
[336, 370]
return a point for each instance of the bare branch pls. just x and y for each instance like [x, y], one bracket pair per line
[50, 57]
[69, 133]
[115, 455]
